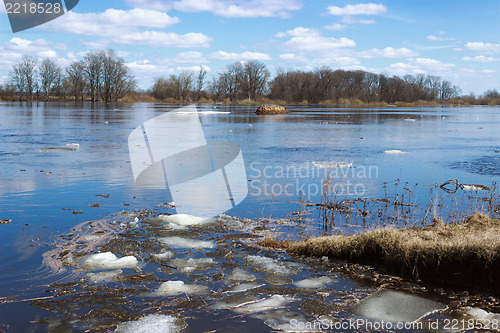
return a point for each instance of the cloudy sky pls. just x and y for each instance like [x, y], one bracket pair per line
[458, 40]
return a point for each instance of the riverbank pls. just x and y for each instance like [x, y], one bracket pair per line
[465, 254]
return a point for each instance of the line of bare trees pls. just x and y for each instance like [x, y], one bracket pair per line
[100, 75]
[326, 84]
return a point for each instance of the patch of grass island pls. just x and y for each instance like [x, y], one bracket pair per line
[465, 254]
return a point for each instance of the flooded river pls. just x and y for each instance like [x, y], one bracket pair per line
[86, 247]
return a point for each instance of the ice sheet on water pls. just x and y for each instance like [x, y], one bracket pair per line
[104, 276]
[314, 283]
[165, 255]
[107, 260]
[240, 275]
[153, 323]
[483, 315]
[270, 265]
[396, 306]
[181, 221]
[243, 287]
[190, 265]
[332, 164]
[395, 152]
[179, 242]
[271, 303]
[173, 288]
[284, 320]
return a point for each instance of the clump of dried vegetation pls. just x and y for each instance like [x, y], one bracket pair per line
[465, 253]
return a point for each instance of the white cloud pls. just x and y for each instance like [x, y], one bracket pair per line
[307, 40]
[193, 68]
[165, 39]
[367, 21]
[488, 71]
[234, 8]
[344, 62]
[111, 22]
[190, 57]
[481, 58]
[141, 65]
[434, 38]
[359, 9]
[247, 55]
[149, 4]
[388, 52]
[421, 66]
[483, 47]
[336, 27]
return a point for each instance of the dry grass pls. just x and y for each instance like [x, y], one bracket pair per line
[466, 253]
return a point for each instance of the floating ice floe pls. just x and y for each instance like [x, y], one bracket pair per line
[483, 315]
[203, 112]
[55, 149]
[240, 275]
[331, 165]
[244, 287]
[181, 221]
[284, 320]
[271, 303]
[153, 323]
[73, 145]
[314, 282]
[191, 265]
[165, 255]
[270, 265]
[466, 187]
[179, 242]
[410, 119]
[108, 260]
[172, 288]
[104, 276]
[395, 152]
[396, 306]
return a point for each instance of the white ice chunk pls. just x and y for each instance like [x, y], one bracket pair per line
[179, 242]
[153, 323]
[483, 315]
[271, 303]
[284, 320]
[331, 165]
[103, 276]
[396, 306]
[108, 260]
[243, 287]
[270, 265]
[240, 275]
[314, 282]
[74, 145]
[165, 255]
[180, 221]
[395, 152]
[191, 265]
[173, 288]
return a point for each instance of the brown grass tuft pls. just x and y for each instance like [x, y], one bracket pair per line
[466, 253]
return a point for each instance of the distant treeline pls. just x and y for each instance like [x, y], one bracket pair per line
[103, 76]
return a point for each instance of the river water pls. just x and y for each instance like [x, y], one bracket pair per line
[365, 167]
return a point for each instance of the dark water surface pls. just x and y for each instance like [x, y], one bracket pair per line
[287, 159]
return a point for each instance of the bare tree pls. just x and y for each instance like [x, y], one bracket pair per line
[200, 82]
[75, 79]
[182, 85]
[116, 79]
[256, 77]
[50, 77]
[23, 76]
[92, 67]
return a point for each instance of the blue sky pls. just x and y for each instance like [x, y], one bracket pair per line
[458, 40]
